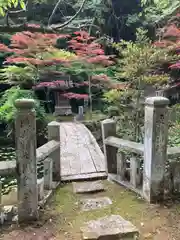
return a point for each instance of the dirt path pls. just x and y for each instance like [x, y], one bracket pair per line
[62, 218]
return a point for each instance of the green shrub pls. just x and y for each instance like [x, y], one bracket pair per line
[8, 111]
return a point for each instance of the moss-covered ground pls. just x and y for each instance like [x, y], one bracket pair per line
[62, 217]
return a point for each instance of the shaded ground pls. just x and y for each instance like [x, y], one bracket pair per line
[62, 218]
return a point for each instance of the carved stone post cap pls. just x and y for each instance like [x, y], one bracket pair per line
[157, 101]
[24, 103]
[107, 121]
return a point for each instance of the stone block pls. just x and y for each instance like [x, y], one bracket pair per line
[88, 187]
[40, 185]
[48, 165]
[63, 110]
[155, 148]
[2, 218]
[25, 138]
[95, 203]
[9, 212]
[112, 227]
[11, 198]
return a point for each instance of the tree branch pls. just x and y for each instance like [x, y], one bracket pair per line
[53, 12]
[56, 26]
[50, 29]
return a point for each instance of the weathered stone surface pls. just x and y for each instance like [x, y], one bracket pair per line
[155, 148]
[2, 218]
[88, 187]
[54, 131]
[25, 128]
[54, 134]
[95, 203]
[40, 185]
[7, 168]
[113, 227]
[11, 198]
[15, 219]
[48, 165]
[9, 212]
[62, 111]
[108, 128]
[80, 116]
[47, 149]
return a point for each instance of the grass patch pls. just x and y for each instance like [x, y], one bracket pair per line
[69, 218]
[62, 217]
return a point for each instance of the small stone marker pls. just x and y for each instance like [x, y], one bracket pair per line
[95, 203]
[109, 228]
[88, 187]
[80, 116]
[48, 168]
[40, 186]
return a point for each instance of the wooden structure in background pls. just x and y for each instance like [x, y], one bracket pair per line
[62, 105]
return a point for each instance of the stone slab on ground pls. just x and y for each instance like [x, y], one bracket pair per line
[88, 187]
[112, 227]
[94, 203]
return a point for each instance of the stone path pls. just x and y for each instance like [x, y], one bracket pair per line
[88, 187]
[112, 227]
[95, 203]
[109, 228]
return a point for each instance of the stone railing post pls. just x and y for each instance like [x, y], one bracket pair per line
[54, 131]
[25, 136]
[108, 127]
[54, 134]
[48, 165]
[155, 147]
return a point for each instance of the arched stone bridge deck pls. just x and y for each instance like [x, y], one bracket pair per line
[81, 156]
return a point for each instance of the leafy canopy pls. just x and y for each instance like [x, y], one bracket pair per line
[7, 109]
[156, 10]
[5, 4]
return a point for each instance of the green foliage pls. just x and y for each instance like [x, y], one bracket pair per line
[156, 10]
[174, 135]
[17, 74]
[138, 64]
[5, 38]
[154, 79]
[7, 109]
[140, 58]
[59, 54]
[6, 4]
[174, 129]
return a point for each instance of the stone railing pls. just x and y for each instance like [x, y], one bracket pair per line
[31, 191]
[147, 170]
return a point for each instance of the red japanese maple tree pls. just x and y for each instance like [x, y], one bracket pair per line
[84, 46]
[27, 49]
[171, 40]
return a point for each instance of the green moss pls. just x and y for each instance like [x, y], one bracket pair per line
[68, 218]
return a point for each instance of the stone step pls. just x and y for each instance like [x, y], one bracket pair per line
[88, 187]
[112, 227]
[89, 204]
